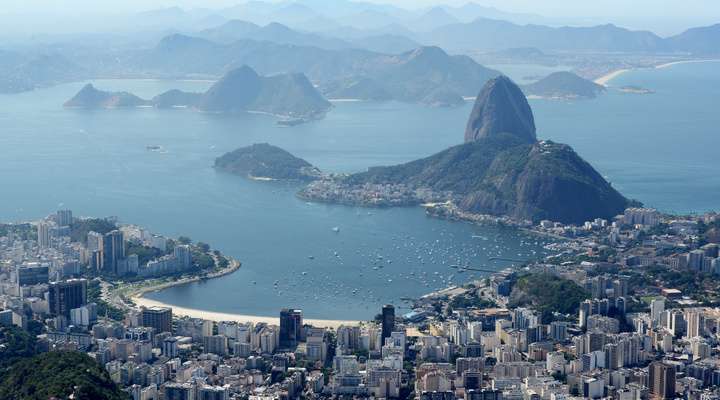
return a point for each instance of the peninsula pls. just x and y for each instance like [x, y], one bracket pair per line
[500, 170]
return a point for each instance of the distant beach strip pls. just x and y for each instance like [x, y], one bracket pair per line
[605, 79]
[218, 316]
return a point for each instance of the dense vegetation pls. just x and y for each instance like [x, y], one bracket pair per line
[710, 233]
[81, 227]
[58, 375]
[503, 175]
[103, 308]
[15, 344]
[265, 160]
[143, 252]
[547, 293]
[25, 231]
[470, 301]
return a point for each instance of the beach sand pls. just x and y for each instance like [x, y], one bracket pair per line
[605, 79]
[670, 64]
[217, 316]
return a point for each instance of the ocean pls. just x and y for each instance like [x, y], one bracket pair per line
[660, 149]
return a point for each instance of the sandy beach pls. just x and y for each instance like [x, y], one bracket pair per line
[218, 316]
[605, 79]
[670, 64]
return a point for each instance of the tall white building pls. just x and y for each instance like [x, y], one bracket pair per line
[657, 307]
[43, 234]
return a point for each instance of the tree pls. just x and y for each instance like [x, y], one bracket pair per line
[59, 375]
[81, 227]
[204, 247]
[15, 344]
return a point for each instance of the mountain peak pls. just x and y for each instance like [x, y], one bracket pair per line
[501, 107]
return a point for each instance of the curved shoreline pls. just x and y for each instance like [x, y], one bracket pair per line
[605, 79]
[136, 296]
[220, 316]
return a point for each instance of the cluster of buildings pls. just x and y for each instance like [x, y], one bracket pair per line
[646, 327]
[369, 194]
[46, 269]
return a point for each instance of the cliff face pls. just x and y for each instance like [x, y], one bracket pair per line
[501, 107]
[503, 170]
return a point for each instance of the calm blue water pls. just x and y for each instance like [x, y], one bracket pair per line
[660, 149]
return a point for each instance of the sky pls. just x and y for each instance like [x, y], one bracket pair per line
[584, 8]
[664, 17]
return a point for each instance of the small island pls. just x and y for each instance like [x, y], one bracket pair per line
[563, 85]
[635, 90]
[263, 161]
[290, 97]
[90, 97]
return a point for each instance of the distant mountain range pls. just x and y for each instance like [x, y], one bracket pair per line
[20, 73]
[274, 32]
[485, 34]
[415, 76]
[344, 46]
[489, 34]
[502, 169]
[427, 75]
[240, 90]
[452, 27]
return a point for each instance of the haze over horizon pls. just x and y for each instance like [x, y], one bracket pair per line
[670, 18]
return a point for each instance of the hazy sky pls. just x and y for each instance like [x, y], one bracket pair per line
[586, 8]
[664, 17]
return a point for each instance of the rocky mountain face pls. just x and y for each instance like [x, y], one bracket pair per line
[266, 161]
[501, 107]
[503, 170]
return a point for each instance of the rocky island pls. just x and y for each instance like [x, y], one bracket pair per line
[563, 85]
[240, 90]
[266, 162]
[501, 170]
[90, 97]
